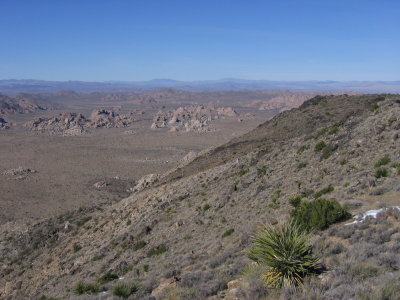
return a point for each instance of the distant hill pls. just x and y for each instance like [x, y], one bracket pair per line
[41, 86]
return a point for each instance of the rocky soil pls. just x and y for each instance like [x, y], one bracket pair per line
[185, 234]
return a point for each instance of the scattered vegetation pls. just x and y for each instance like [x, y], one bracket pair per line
[285, 254]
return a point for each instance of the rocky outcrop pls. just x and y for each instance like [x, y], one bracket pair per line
[76, 124]
[64, 123]
[190, 118]
[145, 182]
[21, 103]
[4, 124]
[109, 119]
[19, 173]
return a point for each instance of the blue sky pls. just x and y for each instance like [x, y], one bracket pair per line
[200, 40]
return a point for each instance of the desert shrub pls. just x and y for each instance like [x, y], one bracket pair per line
[320, 133]
[334, 129]
[243, 172]
[302, 165]
[124, 290]
[285, 253]
[206, 207]
[381, 172]
[362, 271]
[261, 171]
[77, 247]
[323, 191]
[86, 288]
[374, 107]
[306, 193]
[382, 161]
[294, 200]
[319, 146]
[181, 293]
[107, 277]
[157, 250]
[139, 245]
[302, 148]
[328, 151]
[318, 214]
[228, 232]
[389, 290]
[145, 268]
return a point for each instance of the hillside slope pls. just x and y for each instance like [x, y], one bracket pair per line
[190, 234]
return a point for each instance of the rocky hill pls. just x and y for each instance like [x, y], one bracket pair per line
[20, 103]
[185, 236]
[191, 118]
[75, 123]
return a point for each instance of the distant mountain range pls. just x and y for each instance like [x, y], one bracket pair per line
[12, 86]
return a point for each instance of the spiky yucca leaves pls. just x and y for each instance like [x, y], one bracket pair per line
[285, 253]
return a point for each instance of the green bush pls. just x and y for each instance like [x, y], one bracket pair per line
[139, 245]
[328, 150]
[323, 191]
[124, 290]
[318, 214]
[302, 165]
[107, 277]
[294, 200]
[228, 232]
[382, 161]
[157, 250]
[86, 288]
[321, 145]
[261, 171]
[284, 253]
[381, 172]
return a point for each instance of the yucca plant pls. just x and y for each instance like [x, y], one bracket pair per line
[285, 253]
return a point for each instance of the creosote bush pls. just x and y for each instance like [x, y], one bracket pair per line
[285, 254]
[124, 290]
[157, 250]
[318, 214]
[86, 288]
[381, 172]
[383, 161]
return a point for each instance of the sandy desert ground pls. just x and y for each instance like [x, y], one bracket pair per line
[67, 167]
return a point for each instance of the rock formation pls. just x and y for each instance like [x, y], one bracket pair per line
[190, 118]
[3, 124]
[76, 123]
